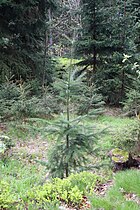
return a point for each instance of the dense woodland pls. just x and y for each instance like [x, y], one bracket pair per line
[69, 104]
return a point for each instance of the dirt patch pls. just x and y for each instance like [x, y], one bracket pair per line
[101, 189]
[34, 149]
[112, 111]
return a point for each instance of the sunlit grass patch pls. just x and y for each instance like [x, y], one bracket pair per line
[126, 182]
[20, 176]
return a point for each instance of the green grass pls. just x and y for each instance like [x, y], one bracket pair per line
[20, 176]
[129, 181]
[110, 125]
[125, 183]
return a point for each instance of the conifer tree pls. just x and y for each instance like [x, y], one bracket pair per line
[23, 31]
[74, 141]
[108, 33]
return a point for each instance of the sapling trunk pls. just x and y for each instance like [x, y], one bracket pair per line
[68, 119]
[68, 109]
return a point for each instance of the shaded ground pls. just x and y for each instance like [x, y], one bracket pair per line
[113, 111]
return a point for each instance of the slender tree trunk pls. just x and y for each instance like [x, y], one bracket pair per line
[45, 57]
[123, 70]
[50, 31]
[123, 83]
[68, 119]
[68, 108]
[68, 103]
[94, 49]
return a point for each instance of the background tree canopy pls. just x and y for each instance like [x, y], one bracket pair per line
[34, 33]
[22, 38]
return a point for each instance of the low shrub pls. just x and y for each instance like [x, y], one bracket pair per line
[6, 197]
[6, 144]
[69, 190]
[132, 102]
[128, 138]
[15, 100]
[85, 181]
[90, 102]
[19, 101]
[8, 96]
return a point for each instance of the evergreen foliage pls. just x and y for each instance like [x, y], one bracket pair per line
[132, 102]
[74, 141]
[23, 30]
[90, 101]
[105, 38]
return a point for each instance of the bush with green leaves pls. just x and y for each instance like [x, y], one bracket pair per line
[32, 205]
[15, 100]
[48, 103]
[6, 196]
[9, 94]
[5, 144]
[18, 101]
[69, 190]
[132, 102]
[128, 138]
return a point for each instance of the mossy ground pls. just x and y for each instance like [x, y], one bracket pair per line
[119, 155]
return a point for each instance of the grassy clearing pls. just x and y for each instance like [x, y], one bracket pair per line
[33, 145]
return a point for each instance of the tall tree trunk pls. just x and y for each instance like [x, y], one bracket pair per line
[50, 31]
[45, 58]
[94, 49]
[123, 70]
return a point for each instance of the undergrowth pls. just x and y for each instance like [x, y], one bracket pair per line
[23, 184]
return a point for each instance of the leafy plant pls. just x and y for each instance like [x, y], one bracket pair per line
[15, 100]
[69, 190]
[6, 144]
[132, 102]
[21, 177]
[128, 138]
[8, 96]
[6, 197]
[48, 103]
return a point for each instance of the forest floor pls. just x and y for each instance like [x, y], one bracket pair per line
[24, 170]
